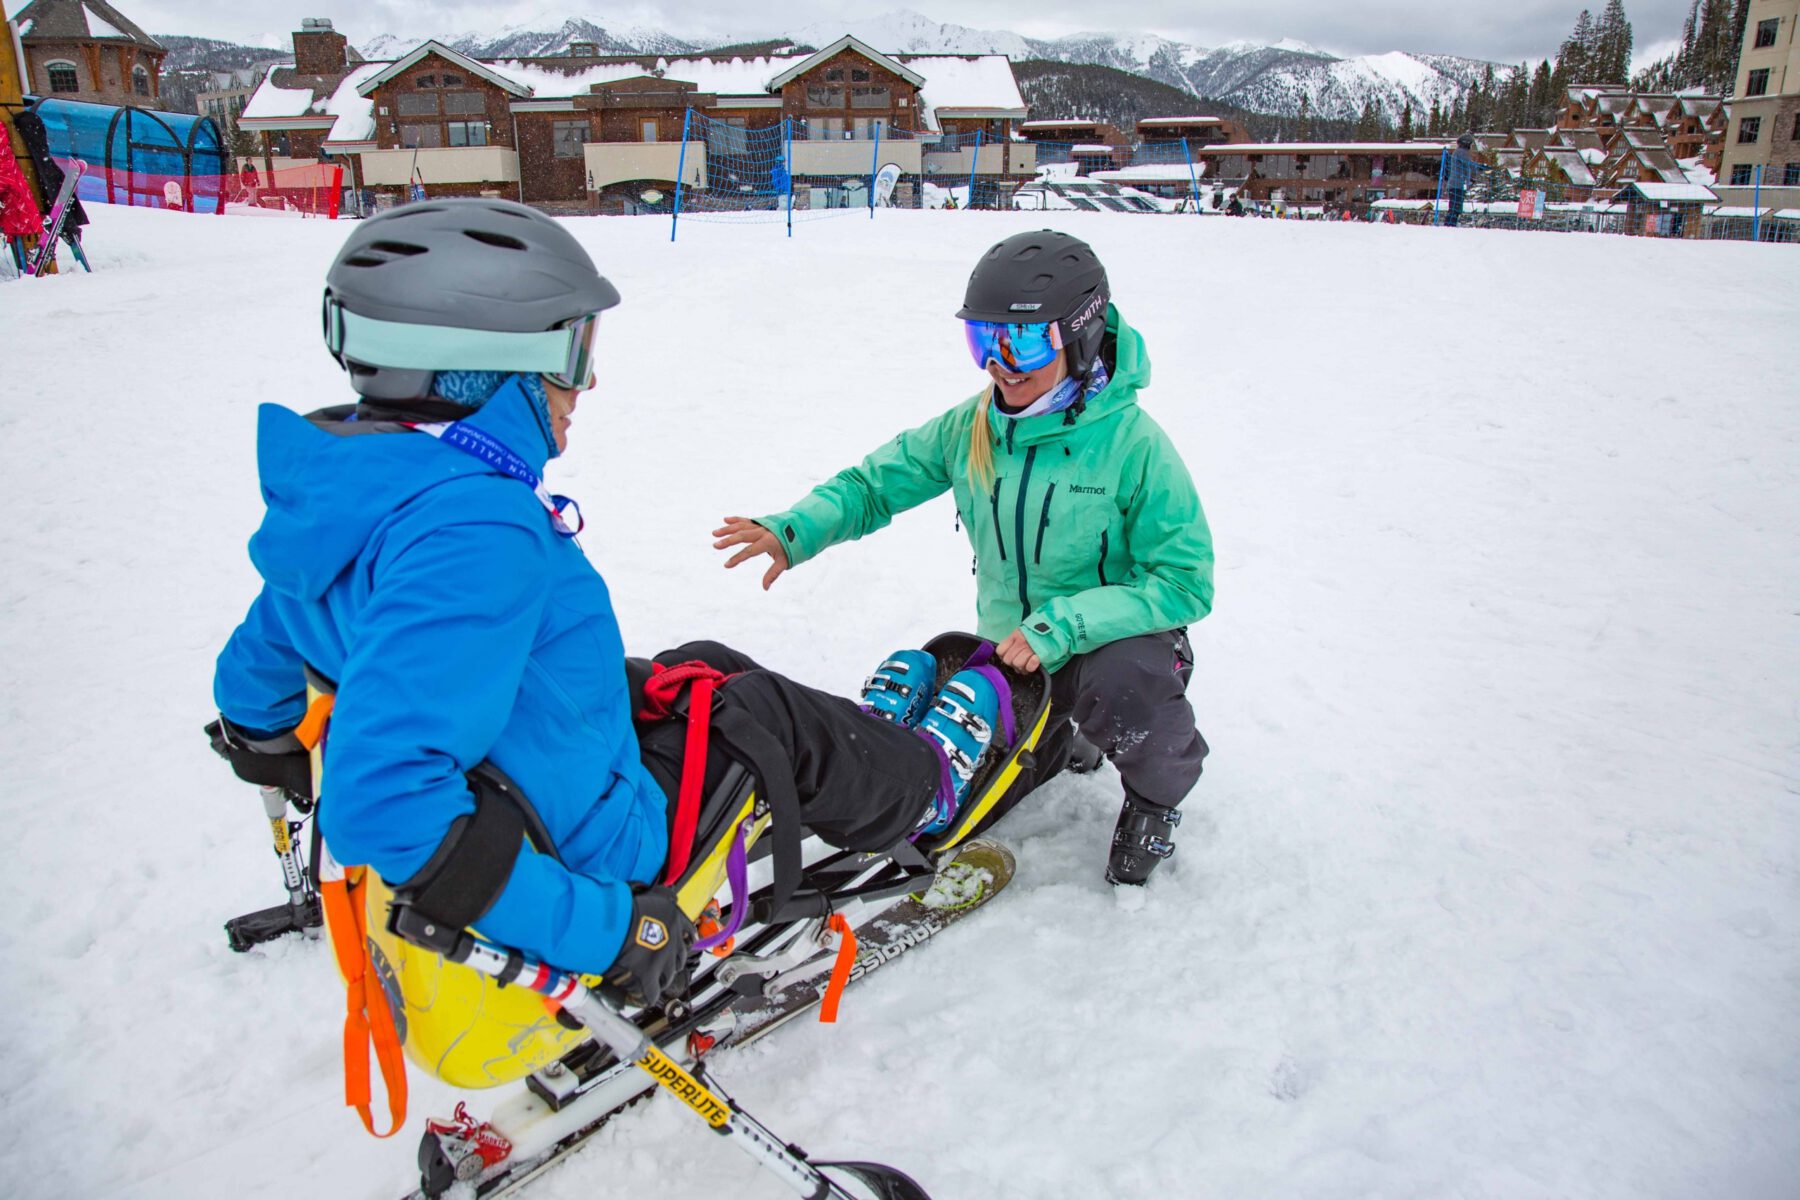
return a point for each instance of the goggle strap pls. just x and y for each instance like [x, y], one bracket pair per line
[408, 347]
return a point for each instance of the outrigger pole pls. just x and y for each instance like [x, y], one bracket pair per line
[630, 1044]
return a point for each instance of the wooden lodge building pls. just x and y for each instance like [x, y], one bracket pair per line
[1352, 174]
[87, 50]
[585, 132]
[1608, 136]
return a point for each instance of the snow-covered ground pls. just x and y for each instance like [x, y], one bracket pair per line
[1491, 888]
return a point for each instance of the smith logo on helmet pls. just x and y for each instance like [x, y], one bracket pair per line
[652, 934]
[1087, 314]
[1023, 307]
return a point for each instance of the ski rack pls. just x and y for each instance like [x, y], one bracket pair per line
[628, 1043]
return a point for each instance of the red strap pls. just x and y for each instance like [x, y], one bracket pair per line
[693, 776]
[664, 686]
[840, 970]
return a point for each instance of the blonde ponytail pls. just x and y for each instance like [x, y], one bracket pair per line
[981, 450]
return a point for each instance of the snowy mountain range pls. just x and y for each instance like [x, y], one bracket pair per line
[1270, 79]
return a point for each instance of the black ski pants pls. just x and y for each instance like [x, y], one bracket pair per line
[863, 783]
[1128, 699]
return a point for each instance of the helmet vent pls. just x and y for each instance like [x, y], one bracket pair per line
[364, 260]
[503, 241]
[402, 249]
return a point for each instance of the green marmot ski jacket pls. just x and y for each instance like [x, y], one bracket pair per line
[1089, 532]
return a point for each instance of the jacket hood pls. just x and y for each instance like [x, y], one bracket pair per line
[330, 480]
[1130, 372]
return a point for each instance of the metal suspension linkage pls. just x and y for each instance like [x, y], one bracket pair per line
[630, 1044]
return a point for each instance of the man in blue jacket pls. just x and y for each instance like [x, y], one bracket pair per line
[412, 556]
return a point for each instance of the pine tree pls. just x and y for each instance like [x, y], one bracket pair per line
[1406, 129]
[1542, 95]
[1612, 45]
[1303, 126]
[1574, 57]
[1367, 127]
[1434, 124]
[1682, 73]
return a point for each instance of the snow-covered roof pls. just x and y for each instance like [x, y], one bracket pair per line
[1737, 210]
[847, 42]
[1181, 120]
[719, 76]
[1152, 173]
[1323, 148]
[966, 83]
[1060, 124]
[1672, 191]
[1572, 163]
[418, 53]
[271, 100]
[1091, 148]
[53, 19]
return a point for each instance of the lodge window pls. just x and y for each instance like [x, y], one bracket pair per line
[1749, 130]
[859, 75]
[63, 77]
[869, 97]
[824, 128]
[1740, 175]
[465, 103]
[824, 97]
[468, 133]
[140, 81]
[1765, 32]
[870, 127]
[421, 137]
[1791, 176]
[567, 138]
[647, 127]
[425, 81]
[1758, 83]
[834, 74]
[411, 104]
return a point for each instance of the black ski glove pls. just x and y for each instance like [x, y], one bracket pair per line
[265, 759]
[653, 966]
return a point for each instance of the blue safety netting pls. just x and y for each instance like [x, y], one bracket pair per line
[138, 156]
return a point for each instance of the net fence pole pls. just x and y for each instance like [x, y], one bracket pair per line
[1193, 175]
[974, 164]
[787, 140]
[687, 118]
[874, 169]
[1756, 207]
[1438, 200]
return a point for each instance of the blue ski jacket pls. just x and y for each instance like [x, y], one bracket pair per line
[459, 627]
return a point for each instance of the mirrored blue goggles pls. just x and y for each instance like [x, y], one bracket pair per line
[1018, 348]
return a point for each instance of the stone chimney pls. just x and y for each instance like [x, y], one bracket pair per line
[319, 49]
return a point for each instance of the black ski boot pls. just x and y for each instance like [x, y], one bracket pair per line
[1140, 841]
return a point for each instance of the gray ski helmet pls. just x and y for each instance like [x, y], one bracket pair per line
[1465, 140]
[1043, 276]
[484, 265]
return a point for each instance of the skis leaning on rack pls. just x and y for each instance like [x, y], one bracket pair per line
[774, 975]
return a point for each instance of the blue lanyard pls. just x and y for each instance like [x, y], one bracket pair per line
[498, 455]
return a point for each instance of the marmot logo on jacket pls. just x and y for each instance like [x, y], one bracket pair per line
[1087, 491]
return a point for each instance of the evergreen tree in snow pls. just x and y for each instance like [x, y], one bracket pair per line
[1303, 125]
[1434, 124]
[1575, 56]
[1542, 98]
[1406, 129]
[1368, 123]
[1611, 62]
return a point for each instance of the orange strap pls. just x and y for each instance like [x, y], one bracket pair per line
[840, 970]
[312, 726]
[367, 1018]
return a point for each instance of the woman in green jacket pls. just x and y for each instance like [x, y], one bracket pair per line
[1092, 552]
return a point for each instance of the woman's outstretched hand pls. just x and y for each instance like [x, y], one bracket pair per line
[1016, 652]
[755, 540]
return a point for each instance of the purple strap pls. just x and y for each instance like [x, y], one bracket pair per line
[737, 871]
[946, 794]
[981, 662]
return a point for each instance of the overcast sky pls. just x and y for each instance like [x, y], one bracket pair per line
[1524, 29]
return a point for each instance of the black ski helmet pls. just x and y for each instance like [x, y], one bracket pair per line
[484, 265]
[1043, 276]
[1466, 140]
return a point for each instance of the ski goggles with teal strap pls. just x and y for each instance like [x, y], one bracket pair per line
[1019, 348]
[563, 355]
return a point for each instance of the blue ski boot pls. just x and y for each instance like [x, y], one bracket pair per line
[902, 687]
[960, 726]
